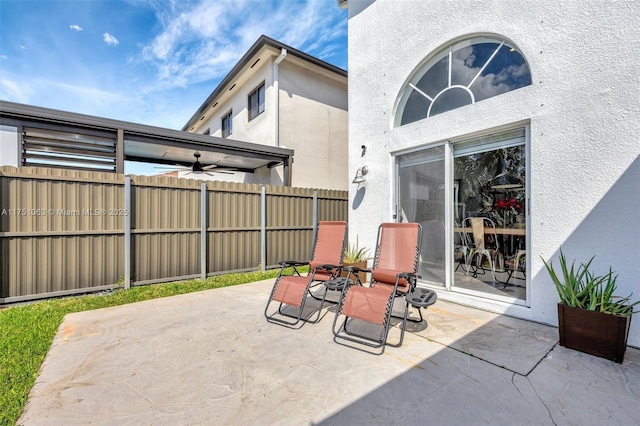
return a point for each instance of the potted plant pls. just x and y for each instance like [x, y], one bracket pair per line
[356, 256]
[591, 318]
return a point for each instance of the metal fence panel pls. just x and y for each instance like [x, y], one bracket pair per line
[63, 231]
[35, 267]
[233, 251]
[165, 256]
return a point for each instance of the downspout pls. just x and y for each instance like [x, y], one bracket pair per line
[276, 103]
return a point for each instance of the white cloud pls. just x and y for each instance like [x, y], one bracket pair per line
[85, 91]
[110, 40]
[15, 91]
[23, 47]
[4, 57]
[83, 96]
[202, 41]
[75, 27]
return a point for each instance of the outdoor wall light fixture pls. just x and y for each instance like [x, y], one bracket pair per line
[360, 174]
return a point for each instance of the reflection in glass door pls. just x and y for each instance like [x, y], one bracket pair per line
[474, 239]
[421, 199]
[489, 215]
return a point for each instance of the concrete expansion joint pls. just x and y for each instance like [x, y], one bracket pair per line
[484, 360]
[537, 396]
[541, 359]
[526, 377]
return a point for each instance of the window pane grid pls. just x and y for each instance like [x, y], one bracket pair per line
[462, 74]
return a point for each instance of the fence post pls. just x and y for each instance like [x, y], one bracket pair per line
[127, 232]
[315, 215]
[263, 229]
[203, 230]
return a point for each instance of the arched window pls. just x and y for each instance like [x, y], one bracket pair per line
[461, 74]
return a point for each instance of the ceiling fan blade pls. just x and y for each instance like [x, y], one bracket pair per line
[216, 167]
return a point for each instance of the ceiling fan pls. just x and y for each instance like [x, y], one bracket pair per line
[198, 168]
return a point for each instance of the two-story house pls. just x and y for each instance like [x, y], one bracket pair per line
[279, 96]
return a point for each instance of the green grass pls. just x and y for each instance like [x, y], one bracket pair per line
[27, 331]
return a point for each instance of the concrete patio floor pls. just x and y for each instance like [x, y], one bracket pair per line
[211, 358]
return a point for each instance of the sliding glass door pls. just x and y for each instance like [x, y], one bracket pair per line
[490, 226]
[483, 217]
[421, 199]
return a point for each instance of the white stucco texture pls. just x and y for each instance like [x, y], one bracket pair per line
[582, 110]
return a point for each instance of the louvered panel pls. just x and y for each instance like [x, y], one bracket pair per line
[51, 148]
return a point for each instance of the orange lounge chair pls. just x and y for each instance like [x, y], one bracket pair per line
[290, 291]
[394, 273]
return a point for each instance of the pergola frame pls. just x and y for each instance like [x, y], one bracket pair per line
[115, 141]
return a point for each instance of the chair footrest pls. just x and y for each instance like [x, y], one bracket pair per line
[421, 297]
[337, 283]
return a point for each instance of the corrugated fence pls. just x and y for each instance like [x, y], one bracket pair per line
[67, 231]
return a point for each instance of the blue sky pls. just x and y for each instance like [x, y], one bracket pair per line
[148, 61]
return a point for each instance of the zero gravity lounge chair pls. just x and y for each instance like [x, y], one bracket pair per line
[394, 273]
[290, 291]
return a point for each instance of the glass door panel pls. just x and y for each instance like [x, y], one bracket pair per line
[420, 198]
[489, 216]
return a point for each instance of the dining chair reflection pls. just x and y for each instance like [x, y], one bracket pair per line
[485, 246]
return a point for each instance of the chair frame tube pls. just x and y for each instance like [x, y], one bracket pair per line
[342, 332]
[312, 282]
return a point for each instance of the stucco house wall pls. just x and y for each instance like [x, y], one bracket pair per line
[582, 108]
[313, 121]
[259, 130]
[244, 129]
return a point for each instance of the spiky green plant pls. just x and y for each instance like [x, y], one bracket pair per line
[355, 253]
[580, 288]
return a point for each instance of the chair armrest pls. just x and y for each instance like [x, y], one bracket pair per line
[356, 269]
[332, 269]
[292, 263]
[329, 266]
[410, 277]
[407, 275]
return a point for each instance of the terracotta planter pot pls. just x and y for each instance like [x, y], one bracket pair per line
[361, 275]
[593, 332]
